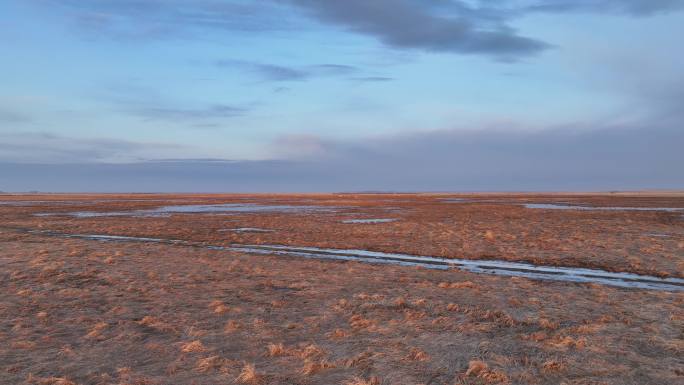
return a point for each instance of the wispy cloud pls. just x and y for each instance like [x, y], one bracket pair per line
[281, 73]
[40, 147]
[142, 20]
[463, 27]
[270, 72]
[587, 156]
[9, 116]
[151, 105]
[609, 159]
[372, 79]
[631, 7]
[218, 111]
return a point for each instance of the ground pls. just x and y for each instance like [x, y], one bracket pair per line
[76, 311]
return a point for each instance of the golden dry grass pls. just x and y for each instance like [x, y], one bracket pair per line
[362, 381]
[193, 347]
[249, 375]
[79, 312]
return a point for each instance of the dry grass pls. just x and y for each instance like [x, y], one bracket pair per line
[309, 351]
[219, 307]
[418, 355]
[476, 367]
[49, 381]
[316, 366]
[231, 326]
[338, 334]
[97, 330]
[156, 323]
[361, 381]
[553, 366]
[209, 363]
[480, 369]
[193, 347]
[86, 312]
[249, 375]
[457, 285]
[274, 350]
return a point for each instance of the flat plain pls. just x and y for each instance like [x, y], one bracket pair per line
[172, 300]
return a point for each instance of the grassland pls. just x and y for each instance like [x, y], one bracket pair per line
[76, 311]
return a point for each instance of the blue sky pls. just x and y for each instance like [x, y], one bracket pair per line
[334, 84]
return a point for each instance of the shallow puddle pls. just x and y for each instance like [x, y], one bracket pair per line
[201, 209]
[562, 206]
[658, 235]
[503, 268]
[247, 230]
[38, 203]
[369, 221]
[552, 206]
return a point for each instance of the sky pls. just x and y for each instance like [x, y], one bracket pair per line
[330, 95]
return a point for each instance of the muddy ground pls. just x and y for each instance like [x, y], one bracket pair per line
[76, 311]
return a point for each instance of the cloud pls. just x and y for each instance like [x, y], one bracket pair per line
[151, 105]
[631, 7]
[334, 69]
[451, 26]
[410, 24]
[610, 157]
[39, 147]
[373, 79]
[8, 116]
[397, 23]
[299, 146]
[269, 72]
[162, 19]
[279, 73]
[218, 111]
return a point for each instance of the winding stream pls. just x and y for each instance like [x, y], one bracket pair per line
[496, 267]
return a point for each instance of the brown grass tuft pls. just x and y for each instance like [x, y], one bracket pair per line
[419, 302]
[553, 366]
[315, 366]
[361, 359]
[97, 330]
[66, 350]
[219, 307]
[457, 285]
[310, 351]
[418, 355]
[358, 322]
[338, 334]
[495, 376]
[480, 369]
[155, 323]
[475, 368]
[49, 381]
[193, 347]
[273, 350]
[568, 342]
[249, 375]
[24, 345]
[209, 363]
[547, 324]
[400, 302]
[231, 327]
[361, 381]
